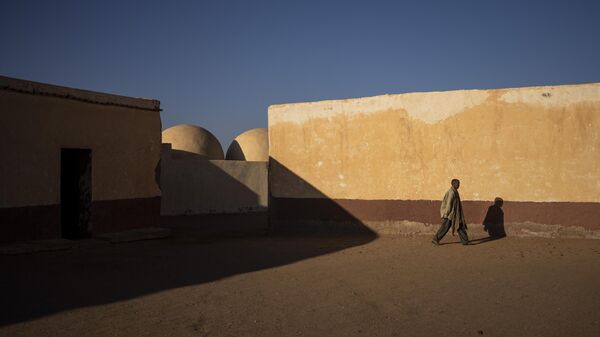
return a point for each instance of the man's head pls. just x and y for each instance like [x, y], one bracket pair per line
[455, 183]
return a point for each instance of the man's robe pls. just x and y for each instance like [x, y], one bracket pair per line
[451, 209]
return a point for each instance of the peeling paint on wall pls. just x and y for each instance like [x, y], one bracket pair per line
[554, 97]
[538, 144]
[440, 105]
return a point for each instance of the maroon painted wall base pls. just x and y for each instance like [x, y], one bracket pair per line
[43, 222]
[124, 214]
[29, 223]
[583, 214]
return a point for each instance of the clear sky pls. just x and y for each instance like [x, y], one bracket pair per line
[220, 64]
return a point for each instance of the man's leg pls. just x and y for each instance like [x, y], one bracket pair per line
[462, 233]
[445, 226]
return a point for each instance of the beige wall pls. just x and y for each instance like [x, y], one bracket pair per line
[252, 145]
[385, 162]
[192, 184]
[524, 144]
[125, 143]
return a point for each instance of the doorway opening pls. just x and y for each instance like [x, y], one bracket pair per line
[75, 193]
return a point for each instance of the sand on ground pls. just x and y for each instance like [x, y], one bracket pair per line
[305, 286]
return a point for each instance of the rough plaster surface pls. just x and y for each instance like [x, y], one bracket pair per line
[525, 144]
[194, 185]
[125, 144]
[553, 96]
[440, 105]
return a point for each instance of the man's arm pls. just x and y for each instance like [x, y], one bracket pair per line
[446, 207]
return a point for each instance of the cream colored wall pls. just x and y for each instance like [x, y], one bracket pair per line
[194, 139]
[194, 185]
[252, 145]
[125, 145]
[524, 144]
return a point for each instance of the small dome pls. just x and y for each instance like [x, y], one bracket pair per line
[194, 139]
[252, 145]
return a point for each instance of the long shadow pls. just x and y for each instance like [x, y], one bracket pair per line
[493, 223]
[483, 240]
[472, 242]
[38, 285]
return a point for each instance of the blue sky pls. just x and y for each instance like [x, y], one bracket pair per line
[220, 64]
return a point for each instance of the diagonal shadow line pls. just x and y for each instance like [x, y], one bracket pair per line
[296, 206]
[192, 184]
[34, 286]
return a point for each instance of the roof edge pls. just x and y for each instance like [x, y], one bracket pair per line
[351, 99]
[44, 89]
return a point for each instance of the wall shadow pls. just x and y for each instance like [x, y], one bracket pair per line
[97, 273]
[192, 184]
[311, 212]
[235, 152]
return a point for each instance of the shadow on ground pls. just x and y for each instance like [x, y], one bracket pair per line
[473, 242]
[201, 249]
[37, 285]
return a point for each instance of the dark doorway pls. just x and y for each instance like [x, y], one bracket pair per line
[75, 192]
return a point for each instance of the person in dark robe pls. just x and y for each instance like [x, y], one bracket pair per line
[493, 223]
[452, 216]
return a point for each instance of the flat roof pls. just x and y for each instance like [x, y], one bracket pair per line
[43, 89]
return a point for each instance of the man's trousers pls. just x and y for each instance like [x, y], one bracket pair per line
[446, 224]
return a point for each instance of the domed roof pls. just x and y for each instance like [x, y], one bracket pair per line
[252, 145]
[194, 139]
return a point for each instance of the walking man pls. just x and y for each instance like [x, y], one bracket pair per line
[452, 215]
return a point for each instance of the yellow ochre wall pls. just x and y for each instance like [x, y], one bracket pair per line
[534, 144]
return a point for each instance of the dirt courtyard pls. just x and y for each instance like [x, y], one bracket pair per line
[305, 286]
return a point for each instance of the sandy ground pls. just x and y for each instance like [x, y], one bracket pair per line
[305, 286]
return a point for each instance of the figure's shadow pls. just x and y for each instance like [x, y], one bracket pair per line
[482, 240]
[493, 223]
